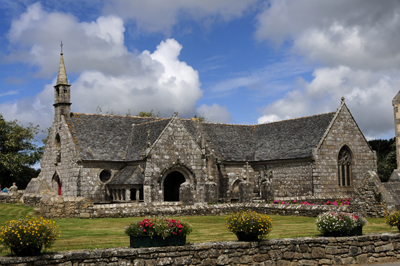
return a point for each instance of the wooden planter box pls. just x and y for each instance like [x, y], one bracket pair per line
[156, 241]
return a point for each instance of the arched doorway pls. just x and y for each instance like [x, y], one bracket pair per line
[56, 179]
[171, 186]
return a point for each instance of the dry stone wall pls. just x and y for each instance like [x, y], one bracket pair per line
[11, 197]
[273, 252]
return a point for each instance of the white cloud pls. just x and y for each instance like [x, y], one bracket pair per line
[109, 75]
[154, 15]
[214, 113]
[367, 94]
[354, 44]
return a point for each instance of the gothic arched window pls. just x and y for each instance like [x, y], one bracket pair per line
[344, 167]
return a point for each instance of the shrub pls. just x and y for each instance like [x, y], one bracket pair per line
[162, 227]
[27, 236]
[393, 219]
[249, 222]
[339, 223]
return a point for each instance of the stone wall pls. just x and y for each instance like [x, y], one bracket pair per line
[158, 209]
[290, 179]
[344, 131]
[272, 252]
[51, 206]
[11, 197]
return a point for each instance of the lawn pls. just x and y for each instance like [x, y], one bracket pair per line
[109, 232]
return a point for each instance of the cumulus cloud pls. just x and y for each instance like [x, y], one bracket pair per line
[214, 113]
[110, 76]
[154, 15]
[370, 104]
[353, 44]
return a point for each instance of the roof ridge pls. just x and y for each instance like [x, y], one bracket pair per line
[296, 118]
[155, 121]
[129, 116]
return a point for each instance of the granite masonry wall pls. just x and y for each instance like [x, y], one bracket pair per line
[174, 150]
[319, 251]
[290, 179]
[325, 173]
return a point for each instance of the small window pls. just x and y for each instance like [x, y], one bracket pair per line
[105, 175]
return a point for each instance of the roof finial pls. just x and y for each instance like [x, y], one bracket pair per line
[62, 73]
[342, 99]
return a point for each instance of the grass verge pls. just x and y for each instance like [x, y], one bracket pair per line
[109, 232]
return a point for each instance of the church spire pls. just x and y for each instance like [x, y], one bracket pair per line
[62, 73]
[62, 91]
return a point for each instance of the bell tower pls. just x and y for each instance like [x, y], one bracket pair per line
[62, 92]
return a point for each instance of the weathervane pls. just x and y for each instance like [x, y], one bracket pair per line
[61, 47]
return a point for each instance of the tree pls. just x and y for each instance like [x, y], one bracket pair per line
[201, 118]
[386, 156]
[18, 153]
[148, 114]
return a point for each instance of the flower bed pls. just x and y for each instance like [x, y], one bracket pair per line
[158, 232]
[292, 202]
[340, 202]
[249, 225]
[340, 223]
[28, 236]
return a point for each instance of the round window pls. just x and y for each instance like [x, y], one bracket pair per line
[105, 175]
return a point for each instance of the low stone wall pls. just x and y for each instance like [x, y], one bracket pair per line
[317, 200]
[51, 206]
[142, 209]
[274, 252]
[32, 200]
[11, 197]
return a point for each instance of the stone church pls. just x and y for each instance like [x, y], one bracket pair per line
[111, 158]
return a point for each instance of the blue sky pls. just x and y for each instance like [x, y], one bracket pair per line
[233, 61]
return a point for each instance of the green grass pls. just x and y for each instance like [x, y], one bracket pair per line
[109, 232]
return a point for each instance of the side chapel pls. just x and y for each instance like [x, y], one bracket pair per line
[111, 158]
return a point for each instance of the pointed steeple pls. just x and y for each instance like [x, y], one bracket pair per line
[62, 92]
[62, 73]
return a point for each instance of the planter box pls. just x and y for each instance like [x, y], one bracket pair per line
[156, 241]
[355, 232]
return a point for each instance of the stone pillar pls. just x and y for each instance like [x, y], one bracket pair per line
[211, 192]
[245, 191]
[137, 195]
[147, 193]
[127, 194]
[186, 194]
[395, 177]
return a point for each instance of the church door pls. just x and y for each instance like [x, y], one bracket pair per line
[171, 186]
[56, 178]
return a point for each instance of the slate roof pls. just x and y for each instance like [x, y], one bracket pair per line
[114, 138]
[102, 137]
[138, 139]
[290, 139]
[287, 139]
[130, 175]
[234, 142]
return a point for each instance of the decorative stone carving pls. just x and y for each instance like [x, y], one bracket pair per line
[267, 189]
